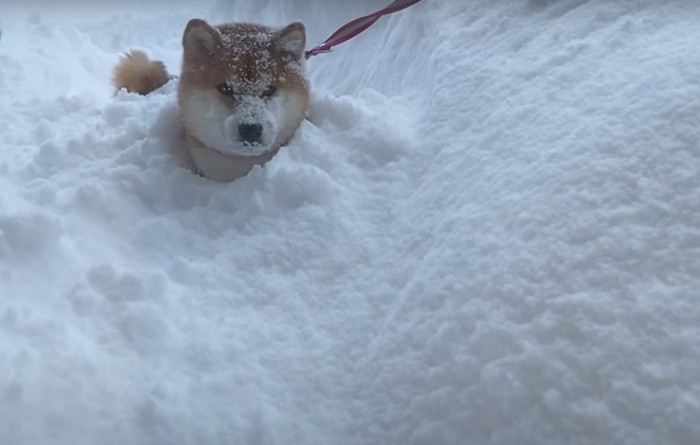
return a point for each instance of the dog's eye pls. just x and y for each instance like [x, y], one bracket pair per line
[225, 89]
[269, 91]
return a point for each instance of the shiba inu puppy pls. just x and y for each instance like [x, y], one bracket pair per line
[242, 94]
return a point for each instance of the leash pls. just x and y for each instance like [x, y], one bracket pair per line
[352, 29]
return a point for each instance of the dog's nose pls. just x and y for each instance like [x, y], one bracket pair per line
[250, 133]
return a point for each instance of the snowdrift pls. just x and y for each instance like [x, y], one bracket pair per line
[488, 231]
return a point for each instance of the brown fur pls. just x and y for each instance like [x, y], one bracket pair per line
[255, 55]
[136, 73]
[206, 72]
[209, 58]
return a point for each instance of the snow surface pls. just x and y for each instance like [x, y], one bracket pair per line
[488, 232]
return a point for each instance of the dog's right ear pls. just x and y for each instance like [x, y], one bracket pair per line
[200, 39]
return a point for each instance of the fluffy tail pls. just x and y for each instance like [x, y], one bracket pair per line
[138, 74]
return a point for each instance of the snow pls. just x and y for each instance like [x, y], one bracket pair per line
[487, 232]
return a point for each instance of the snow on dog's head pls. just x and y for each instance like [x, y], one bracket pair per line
[243, 89]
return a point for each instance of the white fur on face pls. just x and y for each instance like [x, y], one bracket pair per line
[209, 119]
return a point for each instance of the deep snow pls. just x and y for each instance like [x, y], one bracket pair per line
[488, 232]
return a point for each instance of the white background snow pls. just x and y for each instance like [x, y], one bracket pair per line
[487, 232]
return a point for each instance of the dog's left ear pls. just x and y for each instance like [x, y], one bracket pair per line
[291, 41]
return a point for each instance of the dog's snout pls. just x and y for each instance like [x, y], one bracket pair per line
[250, 133]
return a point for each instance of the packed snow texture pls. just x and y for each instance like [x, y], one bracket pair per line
[487, 232]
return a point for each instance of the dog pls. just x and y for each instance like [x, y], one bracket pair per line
[242, 93]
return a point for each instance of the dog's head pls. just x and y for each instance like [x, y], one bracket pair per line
[243, 89]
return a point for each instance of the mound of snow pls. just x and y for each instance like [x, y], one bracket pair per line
[487, 231]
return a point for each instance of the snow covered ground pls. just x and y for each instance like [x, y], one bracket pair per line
[488, 232]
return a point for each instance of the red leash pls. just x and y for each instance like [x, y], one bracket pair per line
[351, 29]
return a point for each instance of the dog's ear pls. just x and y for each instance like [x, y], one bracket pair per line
[200, 39]
[291, 41]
